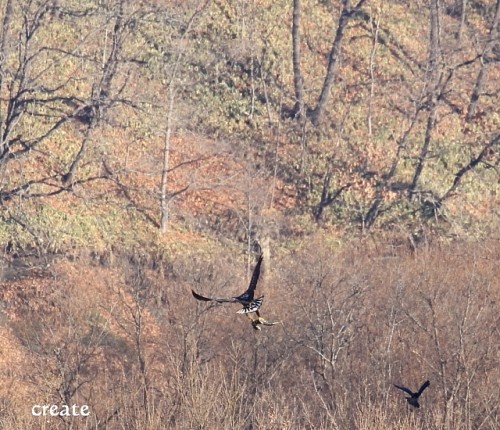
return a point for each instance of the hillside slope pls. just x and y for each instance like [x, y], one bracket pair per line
[148, 148]
[184, 118]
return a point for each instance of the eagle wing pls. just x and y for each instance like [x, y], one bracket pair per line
[211, 299]
[423, 387]
[406, 390]
[247, 296]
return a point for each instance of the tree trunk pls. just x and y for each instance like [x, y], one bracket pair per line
[332, 63]
[297, 75]
[462, 20]
[481, 77]
[4, 54]
[434, 79]
[164, 198]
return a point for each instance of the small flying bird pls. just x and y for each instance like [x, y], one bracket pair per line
[413, 399]
[250, 304]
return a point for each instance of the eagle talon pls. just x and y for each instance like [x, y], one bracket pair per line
[256, 323]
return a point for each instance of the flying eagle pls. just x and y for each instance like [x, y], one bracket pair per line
[413, 399]
[246, 299]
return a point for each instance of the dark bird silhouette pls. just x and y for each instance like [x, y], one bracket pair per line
[246, 299]
[413, 399]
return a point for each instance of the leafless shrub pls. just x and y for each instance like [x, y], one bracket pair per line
[353, 322]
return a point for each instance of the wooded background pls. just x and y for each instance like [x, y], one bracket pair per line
[150, 147]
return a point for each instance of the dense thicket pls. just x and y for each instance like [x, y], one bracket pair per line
[142, 353]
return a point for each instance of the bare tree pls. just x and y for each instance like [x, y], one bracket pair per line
[346, 13]
[171, 70]
[486, 61]
[297, 73]
[463, 14]
[487, 150]
[435, 85]
[37, 92]
[375, 28]
[133, 325]
[315, 113]
[328, 197]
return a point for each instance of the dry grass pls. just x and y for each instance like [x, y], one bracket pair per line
[142, 354]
